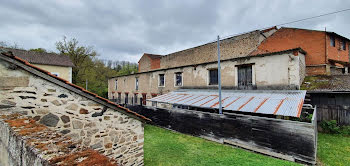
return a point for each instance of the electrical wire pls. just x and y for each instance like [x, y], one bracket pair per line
[308, 18]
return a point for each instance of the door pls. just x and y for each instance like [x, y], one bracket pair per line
[245, 80]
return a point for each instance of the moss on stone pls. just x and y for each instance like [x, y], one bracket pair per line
[315, 82]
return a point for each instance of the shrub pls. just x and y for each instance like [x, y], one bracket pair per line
[345, 130]
[330, 127]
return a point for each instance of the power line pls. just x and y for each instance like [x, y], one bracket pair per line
[314, 17]
[308, 18]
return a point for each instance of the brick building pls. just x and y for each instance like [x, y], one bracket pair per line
[327, 52]
[262, 59]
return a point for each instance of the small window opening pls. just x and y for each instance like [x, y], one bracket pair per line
[213, 77]
[161, 80]
[137, 83]
[332, 41]
[178, 79]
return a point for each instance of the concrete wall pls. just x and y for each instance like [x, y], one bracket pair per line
[64, 72]
[108, 131]
[285, 71]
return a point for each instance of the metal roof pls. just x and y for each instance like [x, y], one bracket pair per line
[274, 102]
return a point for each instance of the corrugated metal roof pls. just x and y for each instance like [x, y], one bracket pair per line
[274, 102]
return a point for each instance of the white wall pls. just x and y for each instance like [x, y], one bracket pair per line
[273, 71]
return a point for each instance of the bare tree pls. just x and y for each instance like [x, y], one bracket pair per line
[78, 54]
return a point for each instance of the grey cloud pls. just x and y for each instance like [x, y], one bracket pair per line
[125, 30]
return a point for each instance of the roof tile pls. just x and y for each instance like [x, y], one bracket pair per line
[41, 57]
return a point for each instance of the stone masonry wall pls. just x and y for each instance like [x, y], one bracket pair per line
[24, 141]
[112, 133]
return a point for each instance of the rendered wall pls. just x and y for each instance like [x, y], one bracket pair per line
[65, 72]
[110, 132]
[285, 71]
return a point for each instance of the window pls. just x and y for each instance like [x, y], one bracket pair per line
[135, 98]
[343, 45]
[161, 80]
[119, 97]
[213, 77]
[332, 41]
[55, 74]
[126, 98]
[116, 84]
[245, 76]
[144, 95]
[137, 83]
[178, 79]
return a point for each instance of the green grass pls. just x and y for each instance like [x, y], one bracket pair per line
[163, 147]
[333, 149]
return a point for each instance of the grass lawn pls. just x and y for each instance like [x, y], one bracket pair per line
[163, 147]
[333, 149]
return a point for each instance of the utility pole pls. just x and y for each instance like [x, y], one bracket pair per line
[219, 76]
[86, 84]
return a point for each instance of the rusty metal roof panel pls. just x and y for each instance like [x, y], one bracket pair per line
[283, 102]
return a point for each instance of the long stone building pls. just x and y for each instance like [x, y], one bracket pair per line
[263, 59]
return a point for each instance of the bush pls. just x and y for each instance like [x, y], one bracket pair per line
[345, 130]
[330, 127]
[333, 128]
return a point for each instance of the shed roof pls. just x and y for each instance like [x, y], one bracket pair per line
[273, 102]
[43, 58]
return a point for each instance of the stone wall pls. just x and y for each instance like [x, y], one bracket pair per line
[23, 141]
[234, 47]
[144, 63]
[110, 132]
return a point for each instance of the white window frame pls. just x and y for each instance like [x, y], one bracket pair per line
[159, 80]
[182, 80]
[253, 75]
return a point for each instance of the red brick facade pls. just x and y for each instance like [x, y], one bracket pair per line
[315, 43]
[149, 62]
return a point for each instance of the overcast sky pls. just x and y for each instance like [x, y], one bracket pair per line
[125, 30]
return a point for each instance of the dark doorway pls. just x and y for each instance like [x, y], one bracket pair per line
[245, 80]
